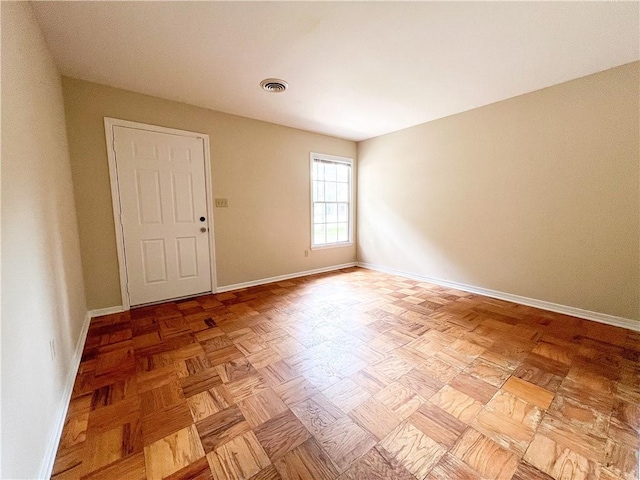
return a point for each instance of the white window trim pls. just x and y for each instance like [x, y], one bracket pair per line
[352, 223]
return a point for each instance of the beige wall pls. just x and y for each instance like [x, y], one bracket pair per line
[535, 196]
[262, 168]
[42, 288]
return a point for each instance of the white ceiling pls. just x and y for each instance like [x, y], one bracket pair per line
[355, 69]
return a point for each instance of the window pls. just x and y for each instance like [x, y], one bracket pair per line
[331, 201]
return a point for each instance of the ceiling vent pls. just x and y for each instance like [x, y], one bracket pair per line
[274, 85]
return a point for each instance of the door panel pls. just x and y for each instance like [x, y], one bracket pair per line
[161, 182]
[182, 190]
[148, 194]
[154, 261]
[187, 257]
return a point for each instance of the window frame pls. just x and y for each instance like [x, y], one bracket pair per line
[313, 156]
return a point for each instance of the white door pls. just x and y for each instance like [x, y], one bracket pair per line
[163, 204]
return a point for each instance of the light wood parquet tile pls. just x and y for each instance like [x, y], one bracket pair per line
[594, 377]
[488, 371]
[131, 467]
[107, 447]
[529, 392]
[345, 441]
[554, 352]
[209, 402]
[627, 412]
[485, 456]
[439, 369]
[438, 424]
[246, 387]
[507, 363]
[622, 451]
[450, 467]
[296, 390]
[107, 395]
[74, 431]
[392, 367]
[474, 387]
[106, 418]
[580, 415]
[70, 464]
[189, 364]
[278, 373]
[115, 358]
[461, 353]
[559, 461]
[371, 381]
[322, 376]
[346, 394]
[287, 346]
[376, 418]
[504, 430]
[306, 461]
[269, 473]
[457, 404]
[236, 369]
[528, 472]
[317, 413]
[173, 452]
[156, 378]
[261, 407]
[165, 421]
[221, 427]
[264, 357]
[223, 355]
[161, 397]
[213, 339]
[603, 402]
[622, 460]
[538, 376]
[198, 470]
[281, 433]
[546, 364]
[513, 407]
[373, 466]
[400, 399]
[238, 459]
[583, 442]
[413, 449]
[352, 374]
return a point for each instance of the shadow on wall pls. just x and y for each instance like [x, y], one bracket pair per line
[64, 293]
[442, 241]
[399, 245]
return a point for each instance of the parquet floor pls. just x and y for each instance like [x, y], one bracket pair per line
[352, 375]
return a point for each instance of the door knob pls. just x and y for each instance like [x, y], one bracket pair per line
[203, 229]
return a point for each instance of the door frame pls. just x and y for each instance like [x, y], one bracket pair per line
[109, 123]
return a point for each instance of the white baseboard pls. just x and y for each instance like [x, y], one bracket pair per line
[237, 286]
[105, 311]
[531, 302]
[46, 468]
[280, 278]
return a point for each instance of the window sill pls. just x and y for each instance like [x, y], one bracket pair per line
[332, 245]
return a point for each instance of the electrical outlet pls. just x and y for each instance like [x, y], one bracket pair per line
[52, 348]
[306, 253]
[222, 203]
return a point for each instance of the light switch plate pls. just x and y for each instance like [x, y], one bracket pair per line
[222, 203]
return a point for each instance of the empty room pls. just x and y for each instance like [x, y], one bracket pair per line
[320, 240]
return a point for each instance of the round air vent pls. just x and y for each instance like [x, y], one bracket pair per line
[274, 85]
